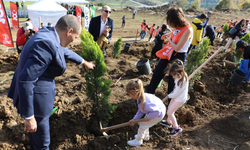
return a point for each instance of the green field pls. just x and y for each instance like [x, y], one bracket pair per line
[7, 4]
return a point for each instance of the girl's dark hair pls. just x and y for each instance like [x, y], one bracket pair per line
[177, 68]
[163, 27]
[175, 17]
[241, 21]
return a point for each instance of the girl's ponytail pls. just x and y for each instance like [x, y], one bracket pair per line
[137, 86]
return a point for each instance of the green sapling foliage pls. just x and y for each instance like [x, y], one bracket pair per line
[98, 88]
[117, 48]
[196, 58]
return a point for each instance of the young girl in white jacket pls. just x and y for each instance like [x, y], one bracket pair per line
[178, 96]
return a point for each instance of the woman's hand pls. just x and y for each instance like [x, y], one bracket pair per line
[131, 122]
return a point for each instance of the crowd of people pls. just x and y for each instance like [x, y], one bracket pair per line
[40, 62]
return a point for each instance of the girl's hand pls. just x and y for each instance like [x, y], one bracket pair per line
[131, 122]
[165, 99]
[146, 119]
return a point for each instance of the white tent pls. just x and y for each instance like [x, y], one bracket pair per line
[48, 10]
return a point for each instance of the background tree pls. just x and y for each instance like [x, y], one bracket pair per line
[223, 4]
[98, 88]
[196, 4]
[182, 3]
[245, 5]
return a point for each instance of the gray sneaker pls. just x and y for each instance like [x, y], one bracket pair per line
[175, 132]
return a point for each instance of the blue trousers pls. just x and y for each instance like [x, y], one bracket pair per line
[143, 34]
[159, 73]
[40, 140]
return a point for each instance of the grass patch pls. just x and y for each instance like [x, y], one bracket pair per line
[7, 4]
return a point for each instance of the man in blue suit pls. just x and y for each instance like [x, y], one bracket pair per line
[33, 87]
[97, 25]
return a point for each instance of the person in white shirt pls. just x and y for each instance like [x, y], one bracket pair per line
[178, 96]
[134, 13]
[97, 25]
[247, 28]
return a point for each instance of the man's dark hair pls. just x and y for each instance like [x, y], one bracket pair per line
[28, 19]
[68, 21]
[203, 16]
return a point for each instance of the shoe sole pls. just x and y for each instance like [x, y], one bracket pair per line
[142, 139]
[177, 133]
[169, 126]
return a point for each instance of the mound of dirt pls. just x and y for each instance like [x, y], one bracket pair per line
[207, 117]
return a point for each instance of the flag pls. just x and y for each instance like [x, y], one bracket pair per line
[5, 34]
[79, 14]
[86, 16]
[92, 11]
[14, 15]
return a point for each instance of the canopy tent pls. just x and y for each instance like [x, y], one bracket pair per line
[48, 10]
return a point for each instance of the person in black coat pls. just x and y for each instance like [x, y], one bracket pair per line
[159, 41]
[237, 34]
[210, 33]
[97, 25]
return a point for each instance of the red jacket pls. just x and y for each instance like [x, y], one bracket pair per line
[20, 37]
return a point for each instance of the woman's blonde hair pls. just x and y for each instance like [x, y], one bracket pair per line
[137, 86]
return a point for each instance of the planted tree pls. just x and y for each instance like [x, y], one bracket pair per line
[225, 30]
[246, 38]
[98, 88]
[117, 48]
[196, 58]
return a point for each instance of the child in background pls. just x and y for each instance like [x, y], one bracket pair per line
[178, 96]
[148, 104]
[151, 31]
[155, 33]
[219, 31]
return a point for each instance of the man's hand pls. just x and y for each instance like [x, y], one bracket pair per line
[89, 65]
[30, 125]
[105, 31]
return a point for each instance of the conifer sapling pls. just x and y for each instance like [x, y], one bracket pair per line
[98, 88]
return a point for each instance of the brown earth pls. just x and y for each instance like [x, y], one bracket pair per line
[216, 116]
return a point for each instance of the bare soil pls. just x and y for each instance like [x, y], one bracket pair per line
[216, 117]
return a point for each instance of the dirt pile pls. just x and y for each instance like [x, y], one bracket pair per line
[212, 106]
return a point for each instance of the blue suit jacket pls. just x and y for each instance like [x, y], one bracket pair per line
[95, 25]
[33, 86]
